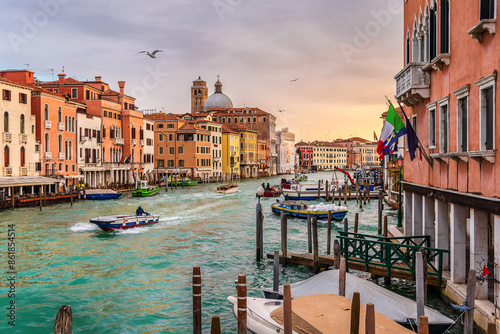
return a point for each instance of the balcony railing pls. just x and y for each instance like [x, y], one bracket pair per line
[62, 156]
[7, 136]
[48, 155]
[118, 141]
[7, 171]
[23, 171]
[23, 138]
[134, 142]
[48, 125]
[412, 84]
[142, 142]
[83, 139]
[61, 126]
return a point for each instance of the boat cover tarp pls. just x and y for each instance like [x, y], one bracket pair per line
[328, 313]
[388, 303]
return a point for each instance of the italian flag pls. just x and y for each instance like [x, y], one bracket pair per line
[392, 130]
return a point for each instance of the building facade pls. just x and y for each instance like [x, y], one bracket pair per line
[449, 85]
[285, 146]
[230, 153]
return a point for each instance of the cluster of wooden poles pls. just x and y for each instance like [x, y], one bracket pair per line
[362, 196]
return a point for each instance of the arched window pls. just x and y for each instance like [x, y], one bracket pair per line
[72, 124]
[6, 122]
[59, 115]
[21, 128]
[60, 143]
[140, 156]
[23, 157]
[47, 143]
[133, 156]
[70, 151]
[103, 155]
[66, 127]
[66, 149]
[408, 49]
[46, 112]
[445, 26]
[6, 156]
[432, 32]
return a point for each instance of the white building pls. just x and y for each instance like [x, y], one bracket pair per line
[18, 131]
[216, 145]
[285, 146]
[147, 145]
[90, 154]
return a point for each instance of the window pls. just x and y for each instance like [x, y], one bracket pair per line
[255, 120]
[46, 112]
[23, 157]
[487, 9]
[408, 48]
[6, 156]
[181, 149]
[161, 163]
[160, 150]
[160, 126]
[21, 125]
[432, 32]
[170, 137]
[23, 98]
[264, 120]
[462, 118]
[443, 128]
[47, 143]
[6, 122]
[171, 150]
[170, 126]
[105, 113]
[6, 95]
[432, 128]
[74, 93]
[445, 26]
[487, 118]
[160, 137]
[171, 163]
[181, 163]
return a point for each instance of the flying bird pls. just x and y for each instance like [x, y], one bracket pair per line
[294, 80]
[152, 54]
[281, 110]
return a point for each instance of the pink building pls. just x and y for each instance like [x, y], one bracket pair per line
[449, 85]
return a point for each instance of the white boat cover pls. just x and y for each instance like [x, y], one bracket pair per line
[388, 303]
[320, 207]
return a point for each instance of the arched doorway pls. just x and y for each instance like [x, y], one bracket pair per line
[6, 156]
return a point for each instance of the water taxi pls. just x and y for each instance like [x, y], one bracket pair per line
[227, 189]
[121, 222]
[307, 191]
[299, 210]
[101, 194]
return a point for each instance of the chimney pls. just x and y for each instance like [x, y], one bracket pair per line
[61, 77]
[121, 84]
[98, 78]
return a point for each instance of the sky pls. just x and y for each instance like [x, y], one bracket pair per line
[344, 54]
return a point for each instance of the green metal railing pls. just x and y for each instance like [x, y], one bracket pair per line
[391, 253]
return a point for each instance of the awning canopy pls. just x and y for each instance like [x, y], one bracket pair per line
[22, 181]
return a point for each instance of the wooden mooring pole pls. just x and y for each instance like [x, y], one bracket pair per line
[319, 189]
[276, 273]
[40, 194]
[329, 233]
[469, 302]
[287, 309]
[356, 217]
[423, 325]
[309, 233]
[215, 329]
[326, 191]
[259, 252]
[64, 320]
[196, 300]
[336, 254]
[284, 223]
[342, 277]
[492, 328]
[71, 194]
[355, 310]
[380, 212]
[346, 225]
[370, 319]
[419, 282]
[242, 304]
[315, 245]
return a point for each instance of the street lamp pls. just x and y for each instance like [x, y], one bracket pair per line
[400, 212]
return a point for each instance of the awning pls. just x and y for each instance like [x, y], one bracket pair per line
[73, 176]
[22, 181]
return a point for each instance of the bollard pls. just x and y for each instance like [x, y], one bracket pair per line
[336, 254]
[71, 194]
[64, 320]
[386, 231]
[287, 309]
[326, 191]
[356, 217]
[259, 227]
[342, 277]
[423, 325]
[319, 189]
[355, 309]
[242, 304]
[315, 245]
[309, 233]
[196, 300]
[276, 274]
[370, 319]
[215, 329]
[284, 227]
[329, 233]
[346, 225]
[469, 302]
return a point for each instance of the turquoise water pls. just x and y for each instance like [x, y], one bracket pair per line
[139, 280]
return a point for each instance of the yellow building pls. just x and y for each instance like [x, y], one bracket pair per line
[230, 152]
[249, 163]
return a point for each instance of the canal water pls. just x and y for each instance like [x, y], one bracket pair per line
[139, 280]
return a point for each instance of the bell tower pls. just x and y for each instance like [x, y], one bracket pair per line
[199, 93]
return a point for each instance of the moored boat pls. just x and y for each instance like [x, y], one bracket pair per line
[143, 189]
[101, 194]
[394, 306]
[121, 222]
[300, 177]
[268, 191]
[299, 210]
[307, 192]
[227, 189]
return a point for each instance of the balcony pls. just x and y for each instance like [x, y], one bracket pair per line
[7, 136]
[83, 139]
[61, 126]
[23, 171]
[412, 84]
[487, 155]
[23, 138]
[118, 141]
[484, 25]
[62, 156]
[48, 125]
[48, 155]
[134, 142]
[142, 142]
[7, 171]
[438, 63]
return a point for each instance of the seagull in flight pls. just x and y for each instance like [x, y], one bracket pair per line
[294, 80]
[152, 54]
[281, 110]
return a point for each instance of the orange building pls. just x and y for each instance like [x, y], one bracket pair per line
[449, 83]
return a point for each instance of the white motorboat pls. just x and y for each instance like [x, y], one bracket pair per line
[227, 189]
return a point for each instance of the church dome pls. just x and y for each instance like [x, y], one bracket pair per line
[217, 100]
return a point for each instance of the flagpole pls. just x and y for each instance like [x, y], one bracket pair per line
[429, 161]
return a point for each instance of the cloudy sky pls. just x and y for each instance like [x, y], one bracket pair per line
[345, 54]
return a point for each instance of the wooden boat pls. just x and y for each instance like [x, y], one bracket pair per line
[307, 192]
[318, 313]
[299, 210]
[101, 194]
[183, 182]
[109, 223]
[227, 189]
[396, 307]
[300, 177]
[143, 189]
[269, 192]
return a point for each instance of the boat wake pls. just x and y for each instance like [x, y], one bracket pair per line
[82, 227]
[134, 230]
